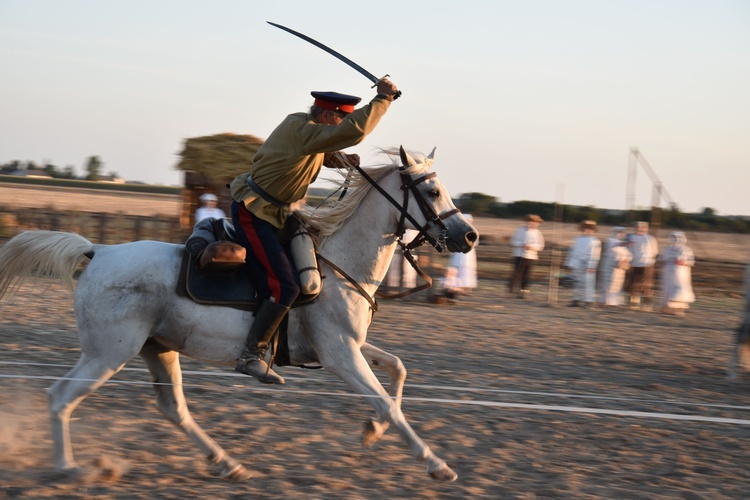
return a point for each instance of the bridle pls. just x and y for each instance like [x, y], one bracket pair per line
[408, 186]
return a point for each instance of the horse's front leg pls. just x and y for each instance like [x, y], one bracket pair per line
[347, 362]
[392, 365]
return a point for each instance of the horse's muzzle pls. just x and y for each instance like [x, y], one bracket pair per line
[464, 245]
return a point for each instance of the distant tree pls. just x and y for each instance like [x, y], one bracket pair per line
[673, 217]
[68, 172]
[11, 166]
[475, 203]
[708, 212]
[93, 166]
[524, 207]
[51, 170]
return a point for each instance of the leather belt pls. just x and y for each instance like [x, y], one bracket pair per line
[270, 199]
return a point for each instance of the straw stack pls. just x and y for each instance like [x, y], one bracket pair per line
[220, 157]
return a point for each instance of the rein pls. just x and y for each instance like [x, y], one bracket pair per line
[407, 185]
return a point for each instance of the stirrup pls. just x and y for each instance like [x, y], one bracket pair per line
[258, 368]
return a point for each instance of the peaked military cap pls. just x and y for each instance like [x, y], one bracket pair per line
[333, 101]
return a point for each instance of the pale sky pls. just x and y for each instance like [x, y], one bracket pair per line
[525, 100]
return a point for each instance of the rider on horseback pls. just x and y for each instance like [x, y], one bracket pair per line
[283, 168]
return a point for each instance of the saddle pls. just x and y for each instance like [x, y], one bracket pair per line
[214, 271]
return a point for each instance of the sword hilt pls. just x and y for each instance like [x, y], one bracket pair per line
[395, 96]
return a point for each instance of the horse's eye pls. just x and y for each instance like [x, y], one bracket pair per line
[434, 193]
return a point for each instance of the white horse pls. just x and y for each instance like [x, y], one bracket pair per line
[740, 357]
[125, 305]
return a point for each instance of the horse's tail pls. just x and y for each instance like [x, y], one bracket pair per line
[47, 253]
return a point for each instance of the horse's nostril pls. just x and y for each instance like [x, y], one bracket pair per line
[472, 236]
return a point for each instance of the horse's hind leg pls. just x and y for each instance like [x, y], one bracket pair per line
[164, 365]
[392, 365]
[65, 395]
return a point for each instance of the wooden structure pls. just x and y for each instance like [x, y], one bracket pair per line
[210, 163]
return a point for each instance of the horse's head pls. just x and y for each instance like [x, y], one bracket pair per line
[428, 208]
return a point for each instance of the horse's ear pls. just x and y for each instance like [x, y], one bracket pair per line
[406, 160]
[431, 156]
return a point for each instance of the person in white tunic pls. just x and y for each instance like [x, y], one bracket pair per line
[640, 278]
[466, 266]
[583, 259]
[209, 208]
[676, 275]
[614, 264]
[526, 243]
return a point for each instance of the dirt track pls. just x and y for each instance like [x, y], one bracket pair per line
[564, 369]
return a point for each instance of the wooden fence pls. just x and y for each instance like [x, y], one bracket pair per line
[98, 227]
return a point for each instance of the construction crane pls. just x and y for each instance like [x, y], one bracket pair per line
[659, 191]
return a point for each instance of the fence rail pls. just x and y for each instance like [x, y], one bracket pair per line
[98, 227]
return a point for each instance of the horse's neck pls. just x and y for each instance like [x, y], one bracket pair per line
[364, 245]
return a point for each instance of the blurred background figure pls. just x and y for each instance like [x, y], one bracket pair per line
[612, 268]
[448, 289]
[400, 273]
[209, 208]
[676, 275]
[583, 259]
[526, 243]
[640, 278]
[466, 266]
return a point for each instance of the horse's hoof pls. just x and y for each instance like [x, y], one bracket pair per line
[73, 474]
[444, 474]
[235, 473]
[372, 433]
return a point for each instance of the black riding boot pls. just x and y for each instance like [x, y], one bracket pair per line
[251, 362]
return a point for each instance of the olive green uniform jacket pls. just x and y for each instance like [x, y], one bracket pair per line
[292, 156]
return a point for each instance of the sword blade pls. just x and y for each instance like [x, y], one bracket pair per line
[337, 55]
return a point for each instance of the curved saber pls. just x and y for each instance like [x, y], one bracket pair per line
[374, 79]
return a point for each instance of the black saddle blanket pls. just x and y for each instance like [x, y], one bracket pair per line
[228, 288]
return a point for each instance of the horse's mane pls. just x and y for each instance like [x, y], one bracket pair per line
[327, 219]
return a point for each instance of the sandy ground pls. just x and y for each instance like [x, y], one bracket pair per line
[523, 400]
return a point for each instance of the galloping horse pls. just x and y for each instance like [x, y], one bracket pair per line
[126, 305]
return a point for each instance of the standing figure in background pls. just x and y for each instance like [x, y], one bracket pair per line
[613, 268]
[676, 275]
[583, 259]
[526, 243]
[607, 263]
[209, 208]
[400, 273]
[466, 266]
[640, 279]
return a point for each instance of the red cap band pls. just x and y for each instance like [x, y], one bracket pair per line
[332, 106]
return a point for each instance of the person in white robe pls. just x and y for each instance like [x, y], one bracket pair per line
[466, 266]
[583, 259]
[612, 267]
[400, 273]
[677, 261]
